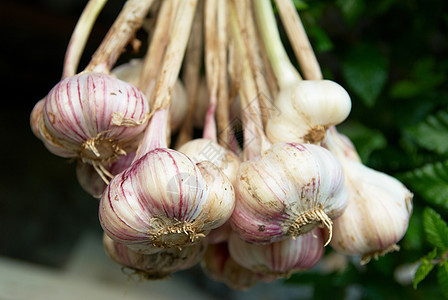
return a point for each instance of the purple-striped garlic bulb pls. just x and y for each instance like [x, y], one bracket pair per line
[220, 266]
[131, 71]
[164, 199]
[287, 191]
[279, 259]
[94, 183]
[156, 265]
[378, 211]
[92, 116]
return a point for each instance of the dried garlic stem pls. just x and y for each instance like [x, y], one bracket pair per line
[299, 40]
[161, 97]
[126, 24]
[157, 46]
[192, 73]
[80, 35]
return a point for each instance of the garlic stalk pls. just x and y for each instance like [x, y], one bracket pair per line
[279, 259]
[158, 265]
[378, 210]
[307, 107]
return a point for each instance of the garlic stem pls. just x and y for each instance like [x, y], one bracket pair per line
[299, 40]
[157, 46]
[126, 24]
[284, 71]
[161, 97]
[155, 134]
[191, 75]
[80, 35]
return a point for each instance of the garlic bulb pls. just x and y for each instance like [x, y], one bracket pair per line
[220, 266]
[164, 199]
[306, 110]
[378, 210]
[279, 259]
[92, 182]
[130, 72]
[220, 234]
[93, 116]
[157, 265]
[207, 150]
[287, 191]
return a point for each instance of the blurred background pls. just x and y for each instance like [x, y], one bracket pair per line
[391, 55]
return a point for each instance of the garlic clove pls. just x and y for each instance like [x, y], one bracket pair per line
[307, 109]
[157, 265]
[279, 259]
[131, 71]
[287, 191]
[220, 266]
[377, 214]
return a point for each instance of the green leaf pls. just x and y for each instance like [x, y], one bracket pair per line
[321, 41]
[365, 71]
[431, 182]
[442, 278]
[300, 4]
[351, 9]
[366, 140]
[432, 134]
[436, 229]
[425, 267]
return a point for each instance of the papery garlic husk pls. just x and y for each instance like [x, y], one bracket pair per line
[164, 200]
[306, 110]
[207, 150]
[287, 191]
[94, 117]
[93, 182]
[279, 259]
[220, 266]
[378, 210]
[131, 71]
[158, 265]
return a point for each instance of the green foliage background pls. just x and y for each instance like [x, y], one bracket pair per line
[391, 56]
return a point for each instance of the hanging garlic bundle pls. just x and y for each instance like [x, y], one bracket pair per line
[92, 115]
[163, 199]
[279, 259]
[286, 189]
[156, 265]
[378, 210]
[308, 107]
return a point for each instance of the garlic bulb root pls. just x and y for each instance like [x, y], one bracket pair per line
[365, 259]
[308, 220]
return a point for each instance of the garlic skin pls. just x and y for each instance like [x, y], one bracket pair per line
[279, 259]
[207, 150]
[164, 200]
[379, 206]
[307, 109]
[220, 266]
[287, 191]
[93, 116]
[157, 265]
[130, 72]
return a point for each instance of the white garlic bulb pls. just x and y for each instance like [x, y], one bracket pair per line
[207, 150]
[378, 210]
[279, 259]
[157, 265]
[92, 116]
[287, 191]
[130, 72]
[306, 109]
